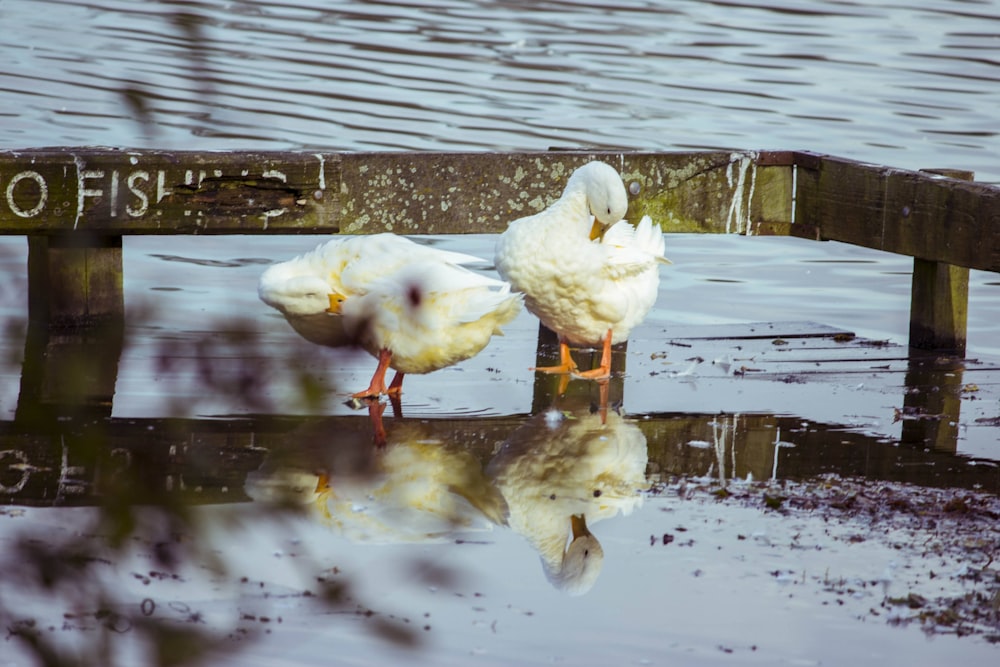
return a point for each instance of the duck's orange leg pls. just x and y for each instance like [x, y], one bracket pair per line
[566, 363]
[377, 386]
[603, 371]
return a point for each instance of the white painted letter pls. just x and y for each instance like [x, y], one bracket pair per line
[134, 188]
[114, 193]
[161, 189]
[43, 195]
[84, 190]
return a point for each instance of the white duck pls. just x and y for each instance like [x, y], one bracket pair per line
[590, 289]
[413, 307]
[563, 471]
[304, 288]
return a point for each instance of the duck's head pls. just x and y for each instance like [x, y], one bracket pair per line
[336, 302]
[582, 561]
[604, 189]
[292, 293]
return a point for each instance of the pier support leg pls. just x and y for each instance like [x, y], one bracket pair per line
[75, 281]
[939, 307]
[939, 298]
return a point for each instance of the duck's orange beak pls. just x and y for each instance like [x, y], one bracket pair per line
[597, 230]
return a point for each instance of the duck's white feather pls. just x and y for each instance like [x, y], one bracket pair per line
[577, 287]
[345, 266]
[416, 301]
[417, 487]
[430, 315]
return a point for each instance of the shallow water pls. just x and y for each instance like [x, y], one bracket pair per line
[887, 82]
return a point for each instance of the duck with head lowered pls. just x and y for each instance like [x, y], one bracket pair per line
[561, 472]
[415, 308]
[585, 272]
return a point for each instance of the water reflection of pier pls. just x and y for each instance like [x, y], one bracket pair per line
[207, 461]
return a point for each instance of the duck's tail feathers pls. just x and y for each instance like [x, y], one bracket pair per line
[649, 237]
[501, 305]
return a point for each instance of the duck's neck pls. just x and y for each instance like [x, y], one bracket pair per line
[574, 205]
[552, 550]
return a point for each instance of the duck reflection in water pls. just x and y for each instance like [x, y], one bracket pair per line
[415, 487]
[563, 471]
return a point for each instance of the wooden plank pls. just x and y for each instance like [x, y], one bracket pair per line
[113, 192]
[755, 330]
[922, 215]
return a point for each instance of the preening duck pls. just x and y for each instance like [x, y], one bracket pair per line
[586, 273]
[415, 308]
[426, 316]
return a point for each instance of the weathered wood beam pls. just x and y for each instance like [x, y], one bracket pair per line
[774, 195]
[928, 216]
[115, 192]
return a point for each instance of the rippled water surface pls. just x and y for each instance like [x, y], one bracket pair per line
[907, 84]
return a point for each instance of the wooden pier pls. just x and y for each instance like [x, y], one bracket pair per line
[75, 205]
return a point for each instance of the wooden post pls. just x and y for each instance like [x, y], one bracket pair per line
[75, 280]
[75, 326]
[939, 298]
